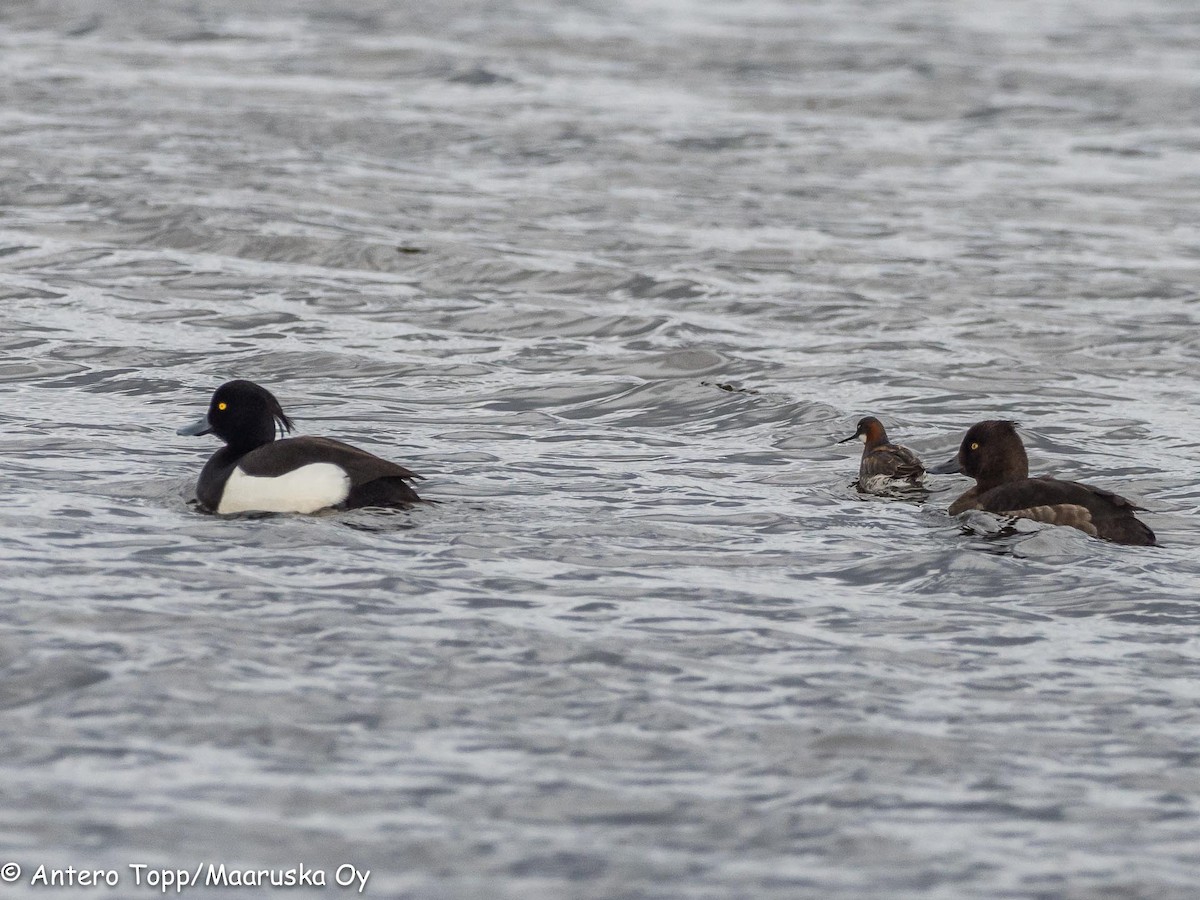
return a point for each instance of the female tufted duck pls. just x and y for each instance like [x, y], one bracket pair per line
[883, 461]
[992, 454]
[253, 472]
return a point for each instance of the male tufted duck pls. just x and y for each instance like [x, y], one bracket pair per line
[253, 472]
[883, 461]
[992, 454]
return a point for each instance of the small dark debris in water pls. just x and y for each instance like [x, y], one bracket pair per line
[597, 606]
[728, 387]
[480, 76]
[406, 248]
[84, 28]
[1108, 150]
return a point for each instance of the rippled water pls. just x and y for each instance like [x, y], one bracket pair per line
[652, 644]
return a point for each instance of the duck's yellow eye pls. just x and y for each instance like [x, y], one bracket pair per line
[974, 445]
[221, 407]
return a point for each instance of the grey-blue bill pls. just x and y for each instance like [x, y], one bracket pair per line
[200, 426]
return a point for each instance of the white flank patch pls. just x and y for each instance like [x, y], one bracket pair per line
[873, 484]
[302, 490]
